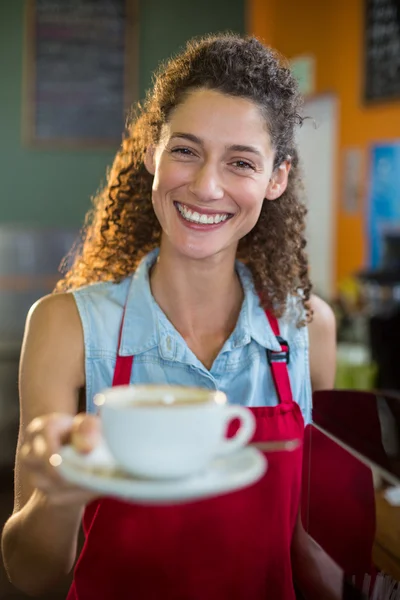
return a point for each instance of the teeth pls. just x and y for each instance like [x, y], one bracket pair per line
[195, 217]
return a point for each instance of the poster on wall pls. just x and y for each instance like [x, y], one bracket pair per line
[382, 50]
[384, 198]
[80, 74]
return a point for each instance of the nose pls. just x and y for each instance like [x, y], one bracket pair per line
[206, 184]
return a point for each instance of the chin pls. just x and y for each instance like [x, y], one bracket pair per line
[196, 253]
[194, 250]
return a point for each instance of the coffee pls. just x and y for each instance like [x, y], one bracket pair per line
[159, 396]
[172, 403]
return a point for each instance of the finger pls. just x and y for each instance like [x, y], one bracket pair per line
[55, 427]
[25, 451]
[45, 436]
[38, 452]
[86, 432]
[36, 425]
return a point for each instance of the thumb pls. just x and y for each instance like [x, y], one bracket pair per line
[86, 432]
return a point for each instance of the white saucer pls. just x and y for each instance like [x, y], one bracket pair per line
[97, 471]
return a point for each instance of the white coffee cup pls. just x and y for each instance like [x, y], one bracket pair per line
[164, 432]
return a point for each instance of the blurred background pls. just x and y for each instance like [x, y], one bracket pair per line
[69, 71]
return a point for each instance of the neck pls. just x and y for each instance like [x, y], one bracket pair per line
[199, 297]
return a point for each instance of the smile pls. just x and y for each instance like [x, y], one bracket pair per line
[201, 218]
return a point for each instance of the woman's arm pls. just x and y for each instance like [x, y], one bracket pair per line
[322, 335]
[40, 538]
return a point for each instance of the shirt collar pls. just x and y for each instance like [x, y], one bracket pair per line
[253, 322]
[139, 331]
[143, 330]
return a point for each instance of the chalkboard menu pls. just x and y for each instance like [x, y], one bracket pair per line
[81, 71]
[382, 41]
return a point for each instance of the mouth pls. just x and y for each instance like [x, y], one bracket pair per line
[201, 218]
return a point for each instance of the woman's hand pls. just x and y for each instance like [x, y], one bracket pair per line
[42, 441]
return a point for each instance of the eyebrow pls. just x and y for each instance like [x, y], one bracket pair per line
[234, 147]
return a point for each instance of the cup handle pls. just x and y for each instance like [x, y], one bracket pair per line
[245, 431]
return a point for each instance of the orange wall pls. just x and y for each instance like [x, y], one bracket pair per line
[333, 33]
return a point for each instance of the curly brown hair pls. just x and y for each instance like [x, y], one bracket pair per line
[122, 226]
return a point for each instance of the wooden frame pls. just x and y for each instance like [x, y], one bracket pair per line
[130, 84]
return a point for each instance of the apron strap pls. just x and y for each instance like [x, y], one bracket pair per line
[278, 362]
[123, 364]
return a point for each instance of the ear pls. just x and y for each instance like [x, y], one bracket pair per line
[279, 180]
[149, 159]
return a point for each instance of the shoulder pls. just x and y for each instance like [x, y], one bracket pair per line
[322, 335]
[53, 312]
[323, 319]
[53, 338]
[53, 317]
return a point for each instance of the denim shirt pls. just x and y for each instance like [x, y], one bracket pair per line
[162, 356]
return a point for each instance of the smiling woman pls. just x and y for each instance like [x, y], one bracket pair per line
[221, 117]
[216, 185]
[193, 272]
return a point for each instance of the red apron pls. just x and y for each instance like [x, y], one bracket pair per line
[233, 547]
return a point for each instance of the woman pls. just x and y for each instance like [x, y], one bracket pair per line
[208, 174]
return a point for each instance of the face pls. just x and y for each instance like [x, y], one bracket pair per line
[213, 168]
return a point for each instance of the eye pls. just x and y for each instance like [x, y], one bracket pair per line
[243, 165]
[183, 151]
